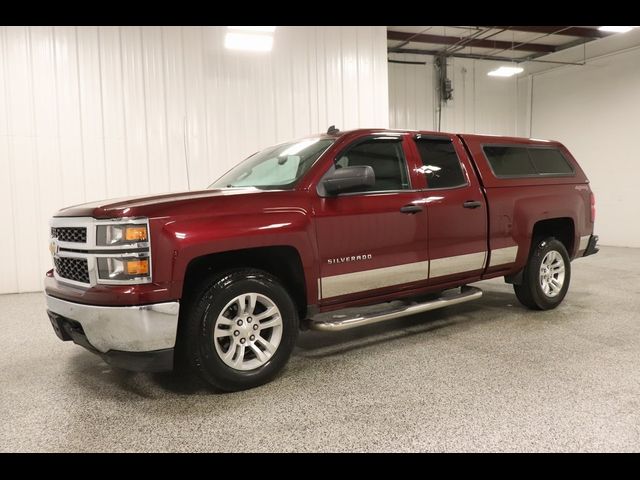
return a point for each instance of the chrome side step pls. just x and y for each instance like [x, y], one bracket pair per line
[341, 320]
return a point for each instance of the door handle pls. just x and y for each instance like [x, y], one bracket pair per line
[411, 208]
[472, 204]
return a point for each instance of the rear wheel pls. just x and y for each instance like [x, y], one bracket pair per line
[546, 276]
[240, 330]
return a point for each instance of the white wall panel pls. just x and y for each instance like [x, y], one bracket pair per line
[480, 104]
[9, 276]
[134, 114]
[195, 102]
[349, 59]
[22, 155]
[595, 111]
[101, 112]
[113, 112]
[47, 140]
[91, 116]
[155, 105]
[364, 91]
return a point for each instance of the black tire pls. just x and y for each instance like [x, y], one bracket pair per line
[530, 292]
[197, 333]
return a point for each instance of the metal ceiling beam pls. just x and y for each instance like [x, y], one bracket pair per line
[584, 32]
[451, 40]
[417, 51]
[474, 56]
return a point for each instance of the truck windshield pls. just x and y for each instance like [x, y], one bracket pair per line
[276, 167]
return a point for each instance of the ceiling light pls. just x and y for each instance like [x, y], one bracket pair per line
[616, 29]
[255, 29]
[248, 41]
[505, 71]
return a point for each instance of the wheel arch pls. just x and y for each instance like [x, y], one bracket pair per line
[283, 262]
[561, 228]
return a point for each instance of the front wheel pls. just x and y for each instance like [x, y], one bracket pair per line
[241, 330]
[546, 276]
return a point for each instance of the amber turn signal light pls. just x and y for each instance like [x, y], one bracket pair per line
[138, 267]
[136, 234]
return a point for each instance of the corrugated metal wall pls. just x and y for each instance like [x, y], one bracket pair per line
[89, 113]
[480, 104]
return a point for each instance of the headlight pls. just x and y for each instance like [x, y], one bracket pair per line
[134, 268]
[114, 235]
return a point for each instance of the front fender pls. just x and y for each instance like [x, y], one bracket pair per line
[187, 239]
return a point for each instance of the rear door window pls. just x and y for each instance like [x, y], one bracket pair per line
[441, 164]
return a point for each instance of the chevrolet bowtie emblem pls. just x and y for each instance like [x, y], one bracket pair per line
[53, 248]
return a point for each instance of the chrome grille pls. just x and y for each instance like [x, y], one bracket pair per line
[75, 269]
[75, 250]
[70, 234]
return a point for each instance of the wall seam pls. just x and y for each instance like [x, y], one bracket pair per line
[82, 147]
[35, 160]
[163, 54]
[145, 114]
[103, 136]
[124, 108]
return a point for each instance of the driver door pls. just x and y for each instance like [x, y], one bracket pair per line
[374, 241]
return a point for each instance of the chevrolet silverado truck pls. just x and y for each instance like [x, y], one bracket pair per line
[330, 232]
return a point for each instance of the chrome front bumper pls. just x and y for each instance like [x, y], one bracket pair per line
[143, 328]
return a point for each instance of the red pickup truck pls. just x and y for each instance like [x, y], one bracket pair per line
[329, 232]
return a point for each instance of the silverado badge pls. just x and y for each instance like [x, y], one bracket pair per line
[352, 258]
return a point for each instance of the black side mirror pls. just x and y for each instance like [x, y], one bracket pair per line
[349, 179]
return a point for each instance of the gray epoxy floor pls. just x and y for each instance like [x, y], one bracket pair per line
[484, 376]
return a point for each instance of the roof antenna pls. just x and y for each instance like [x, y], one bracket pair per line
[332, 130]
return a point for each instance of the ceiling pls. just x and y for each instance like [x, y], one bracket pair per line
[511, 43]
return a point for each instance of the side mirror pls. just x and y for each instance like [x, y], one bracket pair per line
[349, 178]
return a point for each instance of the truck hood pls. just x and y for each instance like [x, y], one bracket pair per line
[146, 204]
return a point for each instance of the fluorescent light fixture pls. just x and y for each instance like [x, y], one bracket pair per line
[505, 71]
[616, 29]
[255, 29]
[248, 41]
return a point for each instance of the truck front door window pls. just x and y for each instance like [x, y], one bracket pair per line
[386, 158]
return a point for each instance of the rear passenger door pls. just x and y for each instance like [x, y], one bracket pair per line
[456, 210]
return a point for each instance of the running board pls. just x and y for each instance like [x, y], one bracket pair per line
[343, 319]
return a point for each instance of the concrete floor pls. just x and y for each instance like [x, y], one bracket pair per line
[484, 376]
